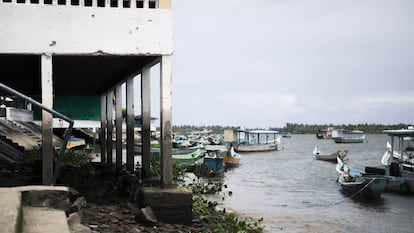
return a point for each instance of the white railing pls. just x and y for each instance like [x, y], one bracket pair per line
[147, 4]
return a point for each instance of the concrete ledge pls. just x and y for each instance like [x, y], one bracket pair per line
[173, 205]
[12, 199]
[42, 219]
[10, 214]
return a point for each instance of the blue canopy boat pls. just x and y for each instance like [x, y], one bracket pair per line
[356, 183]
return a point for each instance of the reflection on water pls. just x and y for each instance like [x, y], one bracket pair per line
[293, 192]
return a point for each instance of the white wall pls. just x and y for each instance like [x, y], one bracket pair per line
[57, 29]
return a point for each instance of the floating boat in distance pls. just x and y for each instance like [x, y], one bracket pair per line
[357, 184]
[348, 136]
[320, 155]
[257, 141]
[324, 133]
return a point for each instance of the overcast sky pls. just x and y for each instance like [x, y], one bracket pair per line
[263, 63]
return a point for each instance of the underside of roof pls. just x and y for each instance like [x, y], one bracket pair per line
[72, 75]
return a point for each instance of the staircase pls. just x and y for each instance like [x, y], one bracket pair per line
[34, 209]
[17, 137]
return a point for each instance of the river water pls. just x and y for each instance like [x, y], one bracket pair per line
[294, 192]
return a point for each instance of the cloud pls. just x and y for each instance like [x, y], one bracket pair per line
[270, 62]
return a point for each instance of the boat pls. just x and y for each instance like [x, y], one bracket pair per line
[257, 141]
[214, 161]
[398, 160]
[232, 159]
[324, 133]
[320, 155]
[190, 159]
[75, 143]
[399, 154]
[187, 160]
[357, 184]
[175, 151]
[286, 135]
[348, 136]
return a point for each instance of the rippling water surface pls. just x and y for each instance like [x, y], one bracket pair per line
[293, 192]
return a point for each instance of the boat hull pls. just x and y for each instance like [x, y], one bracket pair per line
[216, 166]
[348, 140]
[231, 161]
[255, 148]
[329, 157]
[368, 187]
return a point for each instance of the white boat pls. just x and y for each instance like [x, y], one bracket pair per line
[320, 155]
[257, 141]
[348, 136]
[399, 154]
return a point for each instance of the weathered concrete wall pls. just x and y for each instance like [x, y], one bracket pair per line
[59, 29]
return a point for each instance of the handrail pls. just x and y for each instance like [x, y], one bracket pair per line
[53, 112]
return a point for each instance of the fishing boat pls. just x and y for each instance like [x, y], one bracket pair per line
[187, 160]
[320, 155]
[257, 141]
[214, 161]
[324, 133]
[232, 159]
[357, 184]
[399, 160]
[74, 143]
[400, 152]
[190, 159]
[348, 136]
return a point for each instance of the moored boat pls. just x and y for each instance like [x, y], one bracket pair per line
[257, 141]
[399, 161]
[232, 159]
[75, 143]
[189, 159]
[320, 155]
[360, 185]
[215, 165]
[348, 136]
[324, 133]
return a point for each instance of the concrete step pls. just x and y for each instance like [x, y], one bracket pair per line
[10, 211]
[44, 219]
[33, 209]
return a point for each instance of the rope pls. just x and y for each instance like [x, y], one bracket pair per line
[363, 188]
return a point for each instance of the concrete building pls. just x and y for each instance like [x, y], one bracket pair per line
[74, 56]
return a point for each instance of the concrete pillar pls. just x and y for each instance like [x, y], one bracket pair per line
[146, 4]
[146, 121]
[47, 119]
[102, 132]
[166, 121]
[110, 125]
[130, 123]
[118, 122]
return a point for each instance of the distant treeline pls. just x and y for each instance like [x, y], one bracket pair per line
[294, 128]
[367, 128]
[215, 129]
